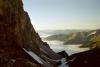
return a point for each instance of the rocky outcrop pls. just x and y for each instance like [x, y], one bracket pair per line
[89, 58]
[16, 33]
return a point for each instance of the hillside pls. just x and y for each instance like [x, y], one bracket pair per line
[72, 38]
[93, 40]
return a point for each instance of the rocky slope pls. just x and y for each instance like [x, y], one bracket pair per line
[89, 58]
[17, 37]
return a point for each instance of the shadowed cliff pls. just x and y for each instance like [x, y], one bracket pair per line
[18, 37]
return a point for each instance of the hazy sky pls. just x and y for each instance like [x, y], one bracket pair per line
[64, 14]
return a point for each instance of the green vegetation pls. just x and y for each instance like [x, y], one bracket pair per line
[92, 42]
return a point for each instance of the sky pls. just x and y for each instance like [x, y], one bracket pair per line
[63, 14]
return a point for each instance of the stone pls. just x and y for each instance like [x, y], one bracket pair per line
[89, 58]
[16, 33]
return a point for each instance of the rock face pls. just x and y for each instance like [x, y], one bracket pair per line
[16, 33]
[85, 59]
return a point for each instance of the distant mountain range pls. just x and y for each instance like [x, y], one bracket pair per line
[80, 37]
[56, 32]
